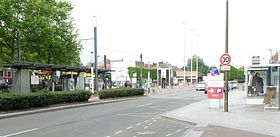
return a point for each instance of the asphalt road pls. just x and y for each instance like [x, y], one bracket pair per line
[133, 118]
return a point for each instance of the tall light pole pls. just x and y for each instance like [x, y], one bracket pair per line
[91, 70]
[96, 61]
[191, 31]
[197, 36]
[184, 23]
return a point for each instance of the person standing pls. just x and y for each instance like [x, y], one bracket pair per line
[250, 83]
[259, 84]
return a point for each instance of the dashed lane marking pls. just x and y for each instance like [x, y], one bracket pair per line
[129, 127]
[168, 135]
[145, 127]
[146, 121]
[21, 132]
[150, 124]
[138, 124]
[118, 132]
[160, 109]
[179, 130]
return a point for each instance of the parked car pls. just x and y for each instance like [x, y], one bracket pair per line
[233, 84]
[201, 86]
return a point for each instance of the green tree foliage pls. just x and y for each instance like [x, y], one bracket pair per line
[46, 29]
[236, 74]
[202, 67]
[153, 72]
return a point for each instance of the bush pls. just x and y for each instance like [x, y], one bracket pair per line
[120, 92]
[19, 101]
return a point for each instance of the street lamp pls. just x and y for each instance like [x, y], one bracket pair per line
[197, 58]
[191, 33]
[184, 23]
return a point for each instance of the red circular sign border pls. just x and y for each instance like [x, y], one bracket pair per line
[226, 54]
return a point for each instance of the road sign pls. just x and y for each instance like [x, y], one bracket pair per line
[225, 59]
[225, 68]
[215, 92]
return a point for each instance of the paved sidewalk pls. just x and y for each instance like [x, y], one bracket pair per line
[251, 119]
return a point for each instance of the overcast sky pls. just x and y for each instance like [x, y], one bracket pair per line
[154, 28]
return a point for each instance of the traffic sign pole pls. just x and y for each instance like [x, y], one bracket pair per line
[226, 73]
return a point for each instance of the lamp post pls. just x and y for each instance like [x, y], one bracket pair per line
[191, 31]
[184, 23]
[197, 58]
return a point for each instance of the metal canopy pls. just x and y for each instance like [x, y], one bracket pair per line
[49, 67]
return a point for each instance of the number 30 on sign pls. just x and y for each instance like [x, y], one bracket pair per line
[225, 59]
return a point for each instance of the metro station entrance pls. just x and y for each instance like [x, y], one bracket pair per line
[263, 85]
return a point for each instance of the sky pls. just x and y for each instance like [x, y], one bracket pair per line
[155, 28]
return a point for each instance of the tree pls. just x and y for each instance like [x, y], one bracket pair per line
[46, 30]
[153, 72]
[202, 67]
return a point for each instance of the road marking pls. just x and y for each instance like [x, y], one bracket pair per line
[146, 121]
[144, 105]
[138, 124]
[179, 130]
[154, 120]
[118, 132]
[129, 127]
[150, 124]
[134, 115]
[168, 135]
[158, 109]
[145, 127]
[21, 132]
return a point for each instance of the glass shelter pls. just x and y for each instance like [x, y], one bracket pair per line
[262, 85]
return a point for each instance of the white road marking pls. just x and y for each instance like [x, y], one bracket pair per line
[168, 135]
[160, 109]
[154, 120]
[118, 132]
[129, 127]
[21, 132]
[150, 124]
[179, 130]
[134, 115]
[107, 136]
[144, 105]
[146, 121]
[145, 127]
[138, 124]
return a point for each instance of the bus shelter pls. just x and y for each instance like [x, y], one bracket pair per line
[263, 85]
[27, 75]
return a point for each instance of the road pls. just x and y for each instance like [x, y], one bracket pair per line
[133, 118]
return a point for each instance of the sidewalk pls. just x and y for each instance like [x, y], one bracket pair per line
[241, 118]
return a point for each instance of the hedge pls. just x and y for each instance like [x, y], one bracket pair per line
[120, 92]
[19, 101]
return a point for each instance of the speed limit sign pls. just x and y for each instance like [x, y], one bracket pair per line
[225, 59]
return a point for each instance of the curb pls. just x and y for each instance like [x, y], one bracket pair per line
[16, 114]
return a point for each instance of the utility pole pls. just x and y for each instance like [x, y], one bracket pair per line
[105, 68]
[91, 70]
[18, 45]
[184, 22]
[96, 62]
[141, 71]
[226, 51]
